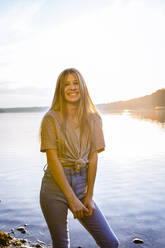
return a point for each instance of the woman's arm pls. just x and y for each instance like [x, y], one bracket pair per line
[58, 174]
[92, 169]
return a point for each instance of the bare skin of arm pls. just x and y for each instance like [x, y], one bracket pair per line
[77, 207]
[92, 169]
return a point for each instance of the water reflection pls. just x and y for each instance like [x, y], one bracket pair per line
[155, 115]
[129, 139]
[132, 163]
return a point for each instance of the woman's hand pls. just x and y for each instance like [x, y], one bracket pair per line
[89, 204]
[77, 207]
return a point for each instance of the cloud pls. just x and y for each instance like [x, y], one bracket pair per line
[6, 84]
[26, 18]
[16, 22]
[8, 88]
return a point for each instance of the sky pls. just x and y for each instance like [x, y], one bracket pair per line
[117, 45]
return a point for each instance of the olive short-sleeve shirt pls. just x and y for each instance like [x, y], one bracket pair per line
[68, 146]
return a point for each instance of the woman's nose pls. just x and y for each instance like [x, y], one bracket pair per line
[73, 86]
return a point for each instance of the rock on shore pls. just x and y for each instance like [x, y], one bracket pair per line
[6, 240]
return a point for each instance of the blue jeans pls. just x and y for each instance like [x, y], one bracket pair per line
[55, 207]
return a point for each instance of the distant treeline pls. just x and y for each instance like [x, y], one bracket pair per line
[23, 109]
[156, 99]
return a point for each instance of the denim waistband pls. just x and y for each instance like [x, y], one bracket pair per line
[68, 170]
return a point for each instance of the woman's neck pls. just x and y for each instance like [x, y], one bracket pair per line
[72, 110]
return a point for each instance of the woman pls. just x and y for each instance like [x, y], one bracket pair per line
[71, 136]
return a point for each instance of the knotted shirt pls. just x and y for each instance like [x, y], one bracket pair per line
[70, 149]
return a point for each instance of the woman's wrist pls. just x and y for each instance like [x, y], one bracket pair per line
[89, 196]
[71, 197]
[90, 191]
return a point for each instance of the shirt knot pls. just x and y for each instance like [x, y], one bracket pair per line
[79, 163]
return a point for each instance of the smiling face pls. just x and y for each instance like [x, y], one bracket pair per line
[72, 88]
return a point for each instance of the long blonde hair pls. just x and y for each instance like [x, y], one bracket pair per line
[85, 105]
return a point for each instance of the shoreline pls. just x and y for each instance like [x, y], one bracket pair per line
[9, 240]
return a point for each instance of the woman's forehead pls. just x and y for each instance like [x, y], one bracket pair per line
[71, 75]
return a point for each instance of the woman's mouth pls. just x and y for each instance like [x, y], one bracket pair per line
[72, 93]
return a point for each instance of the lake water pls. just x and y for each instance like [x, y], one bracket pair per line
[129, 187]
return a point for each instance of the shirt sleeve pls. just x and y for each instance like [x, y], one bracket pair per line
[48, 134]
[98, 142]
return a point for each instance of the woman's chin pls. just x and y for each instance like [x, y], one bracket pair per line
[72, 100]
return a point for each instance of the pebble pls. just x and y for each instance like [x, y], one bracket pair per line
[12, 231]
[138, 241]
[36, 245]
[21, 229]
[16, 242]
[23, 241]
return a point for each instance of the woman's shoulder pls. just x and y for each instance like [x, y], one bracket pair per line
[93, 116]
[50, 115]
